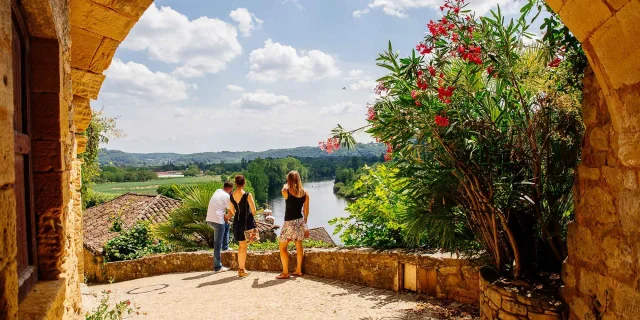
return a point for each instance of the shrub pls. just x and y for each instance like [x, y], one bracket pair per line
[103, 312]
[134, 243]
[92, 198]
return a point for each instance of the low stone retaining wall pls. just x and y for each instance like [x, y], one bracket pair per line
[440, 275]
[498, 301]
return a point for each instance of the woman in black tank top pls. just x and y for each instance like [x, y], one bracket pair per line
[242, 207]
[295, 222]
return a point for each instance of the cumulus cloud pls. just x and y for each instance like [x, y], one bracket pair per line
[360, 13]
[136, 80]
[341, 108]
[276, 62]
[399, 8]
[263, 100]
[364, 85]
[247, 21]
[199, 46]
[233, 87]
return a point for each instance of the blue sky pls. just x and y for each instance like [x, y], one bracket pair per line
[202, 75]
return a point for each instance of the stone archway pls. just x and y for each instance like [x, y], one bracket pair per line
[602, 272]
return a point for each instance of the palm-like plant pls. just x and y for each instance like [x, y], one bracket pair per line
[186, 227]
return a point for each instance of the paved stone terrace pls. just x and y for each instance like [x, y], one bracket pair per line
[204, 295]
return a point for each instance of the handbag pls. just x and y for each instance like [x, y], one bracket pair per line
[251, 235]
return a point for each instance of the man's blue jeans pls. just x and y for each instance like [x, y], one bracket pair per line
[218, 234]
[225, 238]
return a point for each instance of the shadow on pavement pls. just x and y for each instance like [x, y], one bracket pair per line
[219, 281]
[200, 276]
[266, 284]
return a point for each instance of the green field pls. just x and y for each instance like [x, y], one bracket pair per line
[148, 187]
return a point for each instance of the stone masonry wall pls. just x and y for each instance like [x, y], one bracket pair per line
[456, 279]
[602, 272]
[498, 301]
[8, 249]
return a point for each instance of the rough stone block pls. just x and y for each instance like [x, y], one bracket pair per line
[599, 139]
[48, 156]
[7, 170]
[9, 290]
[51, 192]
[86, 84]
[568, 275]
[615, 45]
[133, 9]
[630, 180]
[626, 302]
[45, 62]
[592, 254]
[81, 113]
[102, 20]
[104, 55]
[629, 211]
[597, 204]
[584, 16]
[46, 117]
[45, 302]
[613, 177]
[618, 256]
[84, 47]
[8, 249]
[81, 143]
[628, 151]
[503, 315]
[587, 173]
[514, 307]
[539, 316]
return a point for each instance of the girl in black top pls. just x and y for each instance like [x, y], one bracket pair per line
[295, 222]
[242, 207]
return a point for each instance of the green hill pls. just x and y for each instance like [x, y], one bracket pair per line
[120, 158]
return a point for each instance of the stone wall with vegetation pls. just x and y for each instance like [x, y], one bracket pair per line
[500, 301]
[443, 276]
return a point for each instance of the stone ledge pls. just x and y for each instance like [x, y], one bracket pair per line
[454, 279]
[44, 302]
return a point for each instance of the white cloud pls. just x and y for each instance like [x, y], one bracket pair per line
[235, 88]
[294, 2]
[136, 80]
[360, 13]
[398, 8]
[181, 112]
[341, 108]
[199, 46]
[364, 85]
[355, 73]
[263, 100]
[247, 21]
[276, 62]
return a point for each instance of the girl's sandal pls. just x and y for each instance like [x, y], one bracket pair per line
[283, 276]
[242, 273]
[298, 274]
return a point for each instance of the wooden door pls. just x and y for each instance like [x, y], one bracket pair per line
[25, 216]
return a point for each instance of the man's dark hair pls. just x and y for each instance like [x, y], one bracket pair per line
[227, 185]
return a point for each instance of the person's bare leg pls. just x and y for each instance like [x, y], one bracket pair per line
[284, 257]
[300, 255]
[242, 255]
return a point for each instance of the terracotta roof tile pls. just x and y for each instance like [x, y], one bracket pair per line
[321, 234]
[131, 207]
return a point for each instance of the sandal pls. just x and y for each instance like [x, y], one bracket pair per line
[242, 273]
[298, 274]
[283, 276]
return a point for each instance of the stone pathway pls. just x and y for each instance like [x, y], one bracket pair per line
[204, 295]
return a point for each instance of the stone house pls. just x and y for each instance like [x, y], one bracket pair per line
[52, 57]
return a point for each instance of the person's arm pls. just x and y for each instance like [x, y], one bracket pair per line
[285, 192]
[306, 209]
[231, 210]
[252, 204]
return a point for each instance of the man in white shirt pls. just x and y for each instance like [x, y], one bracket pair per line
[216, 219]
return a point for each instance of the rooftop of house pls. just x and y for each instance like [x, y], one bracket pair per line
[321, 234]
[97, 222]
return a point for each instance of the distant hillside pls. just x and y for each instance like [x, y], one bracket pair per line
[120, 158]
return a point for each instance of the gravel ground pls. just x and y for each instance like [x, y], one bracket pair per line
[204, 295]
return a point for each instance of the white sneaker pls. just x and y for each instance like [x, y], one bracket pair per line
[223, 269]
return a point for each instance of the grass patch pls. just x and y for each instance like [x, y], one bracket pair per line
[149, 187]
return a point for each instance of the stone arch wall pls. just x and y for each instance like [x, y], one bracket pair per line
[602, 271]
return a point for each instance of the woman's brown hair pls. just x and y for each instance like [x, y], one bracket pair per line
[240, 181]
[294, 183]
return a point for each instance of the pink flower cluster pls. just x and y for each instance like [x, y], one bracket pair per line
[471, 54]
[380, 88]
[331, 145]
[441, 121]
[423, 49]
[371, 113]
[444, 94]
[389, 154]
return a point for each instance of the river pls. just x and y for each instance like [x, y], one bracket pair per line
[324, 206]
